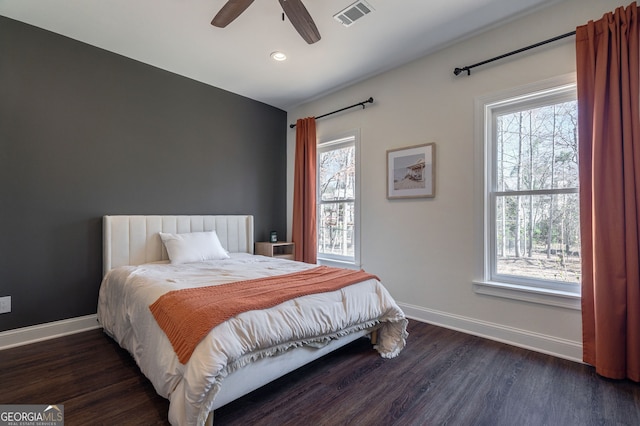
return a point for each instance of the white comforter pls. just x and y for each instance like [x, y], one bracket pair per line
[123, 311]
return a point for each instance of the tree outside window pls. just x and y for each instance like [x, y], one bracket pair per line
[337, 193]
[533, 191]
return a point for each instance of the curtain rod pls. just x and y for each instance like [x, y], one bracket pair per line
[362, 104]
[468, 67]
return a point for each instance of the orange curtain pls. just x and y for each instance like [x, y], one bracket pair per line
[609, 145]
[304, 192]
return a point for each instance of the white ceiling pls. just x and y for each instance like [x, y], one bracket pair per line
[176, 35]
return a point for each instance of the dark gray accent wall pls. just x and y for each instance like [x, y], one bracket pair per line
[84, 133]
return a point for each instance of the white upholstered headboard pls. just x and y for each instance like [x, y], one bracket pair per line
[134, 240]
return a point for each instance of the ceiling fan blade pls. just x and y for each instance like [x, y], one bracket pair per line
[230, 11]
[301, 20]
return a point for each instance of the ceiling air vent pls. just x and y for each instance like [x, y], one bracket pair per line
[352, 13]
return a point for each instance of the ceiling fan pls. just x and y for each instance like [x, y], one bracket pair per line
[294, 9]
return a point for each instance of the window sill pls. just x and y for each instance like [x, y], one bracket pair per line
[337, 263]
[538, 295]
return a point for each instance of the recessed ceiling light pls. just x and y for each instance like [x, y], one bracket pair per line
[278, 56]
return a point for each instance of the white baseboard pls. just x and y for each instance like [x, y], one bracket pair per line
[51, 330]
[561, 348]
[550, 345]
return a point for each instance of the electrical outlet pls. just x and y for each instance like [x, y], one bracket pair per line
[5, 305]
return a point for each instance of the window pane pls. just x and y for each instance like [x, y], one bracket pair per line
[538, 236]
[337, 174]
[537, 148]
[335, 230]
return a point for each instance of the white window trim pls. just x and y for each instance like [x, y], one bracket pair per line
[335, 140]
[483, 284]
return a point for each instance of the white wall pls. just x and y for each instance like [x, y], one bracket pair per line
[425, 250]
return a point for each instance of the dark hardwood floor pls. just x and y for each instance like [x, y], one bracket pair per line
[442, 377]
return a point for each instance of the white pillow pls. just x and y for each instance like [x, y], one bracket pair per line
[193, 247]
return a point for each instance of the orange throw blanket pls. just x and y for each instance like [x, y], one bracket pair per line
[186, 316]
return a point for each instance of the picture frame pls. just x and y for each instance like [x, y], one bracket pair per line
[411, 172]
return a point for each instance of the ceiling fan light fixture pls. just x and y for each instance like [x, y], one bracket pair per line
[278, 56]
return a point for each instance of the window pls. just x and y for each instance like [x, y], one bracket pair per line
[338, 192]
[531, 205]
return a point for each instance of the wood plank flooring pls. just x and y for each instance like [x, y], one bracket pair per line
[442, 377]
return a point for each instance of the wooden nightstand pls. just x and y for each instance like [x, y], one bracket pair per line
[281, 249]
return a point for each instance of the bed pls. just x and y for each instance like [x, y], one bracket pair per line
[246, 351]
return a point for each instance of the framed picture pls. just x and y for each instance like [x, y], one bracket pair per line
[411, 172]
